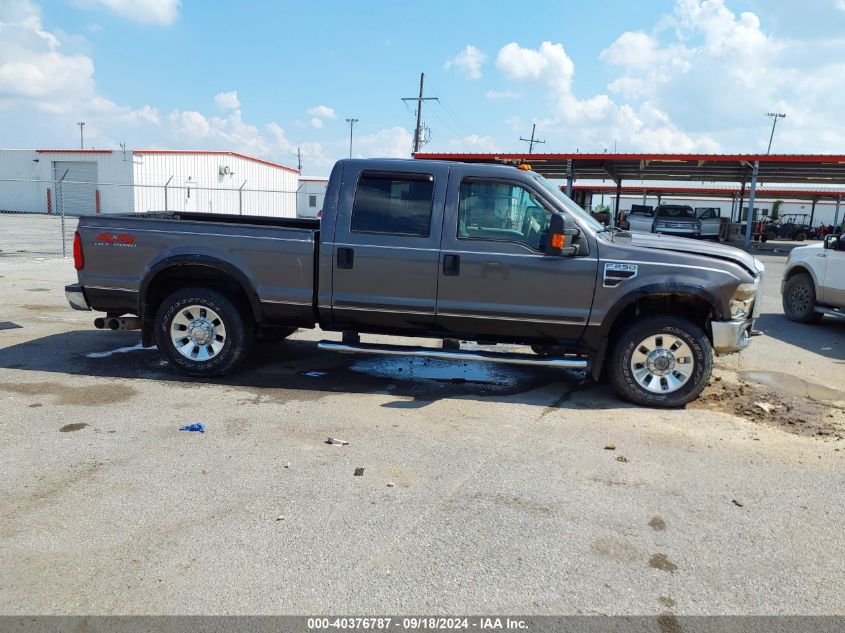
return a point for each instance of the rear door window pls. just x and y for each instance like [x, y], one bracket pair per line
[393, 203]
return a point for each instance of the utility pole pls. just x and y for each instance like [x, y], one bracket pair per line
[418, 133]
[298, 160]
[81, 125]
[531, 141]
[775, 116]
[351, 123]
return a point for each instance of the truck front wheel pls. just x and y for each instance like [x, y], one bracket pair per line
[202, 332]
[661, 362]
[799, 299]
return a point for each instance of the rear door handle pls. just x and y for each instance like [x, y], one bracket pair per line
[345, 257]
[451, 265]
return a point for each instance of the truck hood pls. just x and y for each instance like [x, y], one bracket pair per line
[696, 247]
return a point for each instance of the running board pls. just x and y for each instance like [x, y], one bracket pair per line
[831, 312]
[573, 362]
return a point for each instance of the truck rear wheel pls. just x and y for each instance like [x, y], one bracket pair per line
[661, 362]
[201, 332]
[799, 299]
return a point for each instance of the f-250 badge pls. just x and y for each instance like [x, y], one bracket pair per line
[615, 274]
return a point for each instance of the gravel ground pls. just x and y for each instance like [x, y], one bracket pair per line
[484, 490]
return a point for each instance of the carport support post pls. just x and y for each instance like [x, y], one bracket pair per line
[750, 219]
[813, 213]
[836, 213]
[570, 168]
[616, 210]
[241, 199]
[165, 193]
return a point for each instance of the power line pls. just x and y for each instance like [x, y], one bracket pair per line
[775, 116]
[532, 141]
[418, 132]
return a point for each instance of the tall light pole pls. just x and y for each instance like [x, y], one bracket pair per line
[775, 116]
[81, 125]
[351, 123]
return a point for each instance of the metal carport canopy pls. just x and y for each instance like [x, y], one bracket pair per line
[792, 168]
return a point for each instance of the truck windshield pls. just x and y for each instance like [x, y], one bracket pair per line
[567, 203]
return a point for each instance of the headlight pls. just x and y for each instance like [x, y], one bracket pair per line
[742, 301]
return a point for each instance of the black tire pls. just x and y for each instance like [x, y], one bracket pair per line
[622, 374]
[800, 236]
[799, 299]
[236, 331]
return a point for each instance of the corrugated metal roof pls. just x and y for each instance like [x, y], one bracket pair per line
[793, 168]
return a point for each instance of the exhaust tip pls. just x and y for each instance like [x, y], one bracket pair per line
[114, 324]
[99, 323]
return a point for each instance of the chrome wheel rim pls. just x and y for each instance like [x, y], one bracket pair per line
[662, 363]
[198, 333]
[799, 298]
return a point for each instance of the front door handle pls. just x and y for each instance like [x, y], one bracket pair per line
[345, 257]
[451, 265]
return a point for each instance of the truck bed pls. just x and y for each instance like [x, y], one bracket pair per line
[272, 259]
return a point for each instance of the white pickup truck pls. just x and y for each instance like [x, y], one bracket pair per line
[814, 281]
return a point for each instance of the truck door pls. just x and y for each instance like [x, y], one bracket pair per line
[495, 278]
[386, 246]
[833, 291]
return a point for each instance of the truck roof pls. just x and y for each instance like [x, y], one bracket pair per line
[387, 163]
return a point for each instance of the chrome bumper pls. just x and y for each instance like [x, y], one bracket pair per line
[731, 336]
[75, 295]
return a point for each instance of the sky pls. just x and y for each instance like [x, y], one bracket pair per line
[266, 78]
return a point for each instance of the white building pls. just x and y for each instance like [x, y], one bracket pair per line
[107, 181]
[311, 195]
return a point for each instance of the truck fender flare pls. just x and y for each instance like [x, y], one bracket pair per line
[676, 288]
[801, 267]
[209, 261]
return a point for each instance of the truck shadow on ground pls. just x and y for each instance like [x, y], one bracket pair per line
[297, 370]
[826, 338]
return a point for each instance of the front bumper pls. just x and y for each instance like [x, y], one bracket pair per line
[731, 336]
[75, 295]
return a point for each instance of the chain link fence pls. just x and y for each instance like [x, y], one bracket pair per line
[38, 217]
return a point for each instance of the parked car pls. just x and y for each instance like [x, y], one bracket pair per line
[667, 219]
[792, 226]
[711, 222]
[814, 281]
[455, 251]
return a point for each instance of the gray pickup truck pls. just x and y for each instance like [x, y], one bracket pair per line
[459, 252]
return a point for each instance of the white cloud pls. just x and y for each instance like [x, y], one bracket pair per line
[718, 72]
[840, 4]
[469, 61]
[594, 122]
[144, 11]
[227, 100]
[548, 64]
[394, 142]
[317, 123]
[507, 94]
[37, 73]
[474, 143]
[322, 112]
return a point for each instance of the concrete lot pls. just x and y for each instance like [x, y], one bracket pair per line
[485, 489]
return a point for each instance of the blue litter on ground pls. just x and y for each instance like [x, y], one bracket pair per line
[196, 426]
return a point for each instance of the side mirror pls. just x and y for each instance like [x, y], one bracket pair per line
[831, 242]
[562, 233]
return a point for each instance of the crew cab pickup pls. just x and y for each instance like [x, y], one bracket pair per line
[460, 252]
[814, 281]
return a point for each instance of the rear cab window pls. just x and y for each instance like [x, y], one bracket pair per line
[393, 203]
